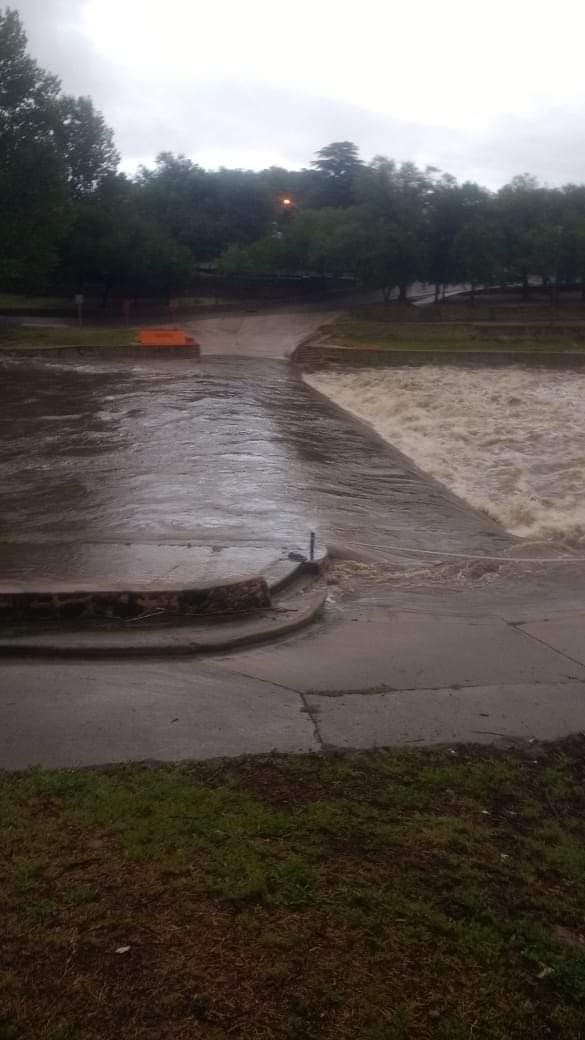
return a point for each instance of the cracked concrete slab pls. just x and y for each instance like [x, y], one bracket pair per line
[483, 714]
[407, 651]
[77, 714]
[565, 634]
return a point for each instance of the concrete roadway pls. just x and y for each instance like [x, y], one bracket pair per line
[388, 667]
[268, 334]
[437, 662]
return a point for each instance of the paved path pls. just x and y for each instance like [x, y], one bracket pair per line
[474, 666]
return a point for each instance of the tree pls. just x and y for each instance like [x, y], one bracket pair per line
[395, 200]
[519, 206]
[204, 211]
[452, 208]
[111, 243]
[32, 195]
[477, 252]
[54, 150]
[86, 145]
[337, 166]
[571, 218]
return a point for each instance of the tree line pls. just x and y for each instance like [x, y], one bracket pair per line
[70, 219]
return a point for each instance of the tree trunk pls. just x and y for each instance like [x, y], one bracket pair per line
[525, 287]
[437, 291]
[403, 293]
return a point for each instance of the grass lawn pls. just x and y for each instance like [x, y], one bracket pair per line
[380, 896]
[19, 337]
[362, 333]
[11, 302]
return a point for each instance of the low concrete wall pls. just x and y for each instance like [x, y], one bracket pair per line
[72, 604]
[325, 356]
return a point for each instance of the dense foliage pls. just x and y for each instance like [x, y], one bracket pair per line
[68, 218]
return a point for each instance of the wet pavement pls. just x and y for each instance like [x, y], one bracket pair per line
[121, 463]
[442, 670]
[267, 334]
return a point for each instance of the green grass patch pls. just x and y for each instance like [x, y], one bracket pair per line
[359, 897]
[361, 334]
[42, 337]
[11, 302]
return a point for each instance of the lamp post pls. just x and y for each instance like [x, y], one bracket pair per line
[283, 211]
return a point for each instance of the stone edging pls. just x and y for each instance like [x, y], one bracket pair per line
[235, 597]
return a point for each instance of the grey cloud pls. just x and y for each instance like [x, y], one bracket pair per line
[57, 43]
[550, 146]
[209, 117]
[250, 117]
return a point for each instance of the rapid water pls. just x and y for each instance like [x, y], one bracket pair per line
[130, 448]
[510, 442]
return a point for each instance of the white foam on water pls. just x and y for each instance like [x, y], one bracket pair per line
[510, 441]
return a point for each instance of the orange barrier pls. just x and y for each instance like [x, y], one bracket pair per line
[165, 338]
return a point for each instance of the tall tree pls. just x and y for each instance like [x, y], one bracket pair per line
[205, 211]
[86, 145]
[477, 252]
[32, 194]
[54, 151]
[519, 212]
[395, 201]
[111, 244]
[336, 167]
[452, 208]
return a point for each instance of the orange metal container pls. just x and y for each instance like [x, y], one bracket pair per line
[165, 338]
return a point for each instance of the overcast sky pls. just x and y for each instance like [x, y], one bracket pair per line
[482, 90]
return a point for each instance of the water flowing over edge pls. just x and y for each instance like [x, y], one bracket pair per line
[510, 442]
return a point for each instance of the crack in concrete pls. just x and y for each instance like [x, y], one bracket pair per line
[313, 713]
[518, 628]
[384, 691]
[306, 708]
[259, 679]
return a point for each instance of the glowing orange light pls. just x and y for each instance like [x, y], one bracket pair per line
[287, 202]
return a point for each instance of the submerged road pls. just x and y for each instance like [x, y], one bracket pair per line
[110, 458]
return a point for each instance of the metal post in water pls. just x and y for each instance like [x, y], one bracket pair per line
[312, 546]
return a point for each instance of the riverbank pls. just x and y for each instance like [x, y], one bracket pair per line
[412, 895]
[364, 333]
[26, 337]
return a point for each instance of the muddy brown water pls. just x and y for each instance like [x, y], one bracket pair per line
[123, 447]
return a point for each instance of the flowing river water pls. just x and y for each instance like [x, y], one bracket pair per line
[108, 447]
[509, 441]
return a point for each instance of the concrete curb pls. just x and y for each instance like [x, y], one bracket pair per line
[187, 640]
[285, 573]
[72, 603]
